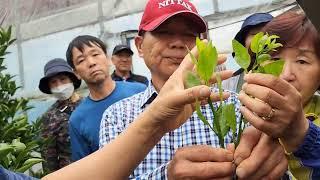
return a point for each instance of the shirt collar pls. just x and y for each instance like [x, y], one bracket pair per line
[148, 96]
[114, 75]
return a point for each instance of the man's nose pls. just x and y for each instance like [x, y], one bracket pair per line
[177, 42]
[91, 62]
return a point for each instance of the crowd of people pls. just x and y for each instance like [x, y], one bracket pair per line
[132, 127]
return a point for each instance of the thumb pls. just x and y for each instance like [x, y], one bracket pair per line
[190, 95]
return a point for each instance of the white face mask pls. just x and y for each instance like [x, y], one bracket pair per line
[63, 92]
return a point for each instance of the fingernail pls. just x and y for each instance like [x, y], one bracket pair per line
[238, 160]
[240, 172]
[203, 92]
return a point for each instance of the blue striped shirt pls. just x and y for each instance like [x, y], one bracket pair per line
[119, 115]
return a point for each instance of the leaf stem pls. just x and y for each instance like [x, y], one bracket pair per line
[240, 129]
[219, 133]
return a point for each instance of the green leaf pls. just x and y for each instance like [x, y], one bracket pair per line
[3, 50]
[5, 149]
[274, 37]
[276, 45]
[192, 80]
[242, 56]
[255, 42]
[28, 164]
[5, 162]
[200, 115]
[18, 146]
[263, 57]
[262, 43]
[259, 70]
[216, 122]
[207, 62]
[193, 59]
[224, 126]
[230, 115]
[219, 125]
[21, 156]
[219, 83]
[11, 41]
[9, 33]
[274, 68]
[200, 45]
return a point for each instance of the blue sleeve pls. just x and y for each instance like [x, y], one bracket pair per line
[79, 146]
[309, 151]
[9, 175]
[141, 88]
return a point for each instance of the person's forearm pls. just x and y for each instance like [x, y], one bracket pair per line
[117, 159]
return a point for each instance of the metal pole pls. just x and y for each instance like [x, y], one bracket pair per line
[100, 18]
[18, 42]
[215, 6]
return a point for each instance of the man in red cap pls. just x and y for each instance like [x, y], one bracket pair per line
[167, 28]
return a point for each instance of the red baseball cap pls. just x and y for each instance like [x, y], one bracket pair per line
[157, 12]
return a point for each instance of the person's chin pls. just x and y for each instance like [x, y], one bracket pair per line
[174, 66]
[98, 78]
[125, 69]
[171, 69]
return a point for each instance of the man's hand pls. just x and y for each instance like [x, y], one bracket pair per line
[175, 102]
[201, 162]
[259, 157]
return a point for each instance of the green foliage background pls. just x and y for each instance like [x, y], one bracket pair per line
[20, 141]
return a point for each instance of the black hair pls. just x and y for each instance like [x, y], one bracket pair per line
[79, 43]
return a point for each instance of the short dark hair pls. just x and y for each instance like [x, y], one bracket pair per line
[79, 43]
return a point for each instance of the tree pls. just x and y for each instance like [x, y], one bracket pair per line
[20, 141]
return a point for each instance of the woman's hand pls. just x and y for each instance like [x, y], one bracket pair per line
[274, 106]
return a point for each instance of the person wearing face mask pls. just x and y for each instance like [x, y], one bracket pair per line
[59, 81]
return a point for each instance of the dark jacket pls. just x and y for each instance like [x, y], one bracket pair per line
[132, 78]
[56, 127]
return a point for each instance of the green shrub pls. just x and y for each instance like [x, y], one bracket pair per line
[20, 141]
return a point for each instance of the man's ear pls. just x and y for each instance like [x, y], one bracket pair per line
[138, 40]
[113, 60]
[109, 60]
